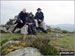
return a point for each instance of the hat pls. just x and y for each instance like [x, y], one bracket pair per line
[30, 13]
[38, 9]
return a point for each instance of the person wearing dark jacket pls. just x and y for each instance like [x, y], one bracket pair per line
[21, 19]
[39, 16]
[31, 24]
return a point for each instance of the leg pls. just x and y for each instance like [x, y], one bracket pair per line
[43, 27]
[36, 22]
[33, 30]
[14, 29]
[29, 29]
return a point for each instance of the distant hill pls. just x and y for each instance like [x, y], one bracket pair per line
[68, 27]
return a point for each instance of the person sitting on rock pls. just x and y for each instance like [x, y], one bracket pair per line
[39, 16]
[21, 19]
[31, 25]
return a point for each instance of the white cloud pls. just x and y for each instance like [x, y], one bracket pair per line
[56, 12]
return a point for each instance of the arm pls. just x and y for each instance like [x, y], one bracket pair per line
[19, 16]
[27, 14]
[19, 19]
[42, 17]
[34, 22]
[27, 20]
[27, 17]
[36, 16]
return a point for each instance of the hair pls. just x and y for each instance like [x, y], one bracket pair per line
[24, 9]
[32, 15]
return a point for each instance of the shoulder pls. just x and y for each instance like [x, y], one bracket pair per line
[27, 13]
[21, 12]
[36, 12]
[41, 12]
[27, 17]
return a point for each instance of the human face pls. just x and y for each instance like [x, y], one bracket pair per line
[24, 10]
[39, 11]
[30, 15]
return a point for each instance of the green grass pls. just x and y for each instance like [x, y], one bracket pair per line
[8, 36]
[38, 42]
[67, 43]
[45, 42]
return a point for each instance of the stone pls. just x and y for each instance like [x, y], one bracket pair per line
[24, 29]
[17, 30]
[59, 35]
[10, 42]
[58, 39]
[28, 51]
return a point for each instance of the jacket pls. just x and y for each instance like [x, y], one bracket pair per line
[39, 16]
[30, 20]
[22, 16]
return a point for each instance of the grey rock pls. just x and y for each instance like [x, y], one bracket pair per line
[58, 39]
[59, 35]
[28, 51]
[24, 29]
[9, 42]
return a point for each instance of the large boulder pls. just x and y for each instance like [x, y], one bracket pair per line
[28, 51]
[24, 29]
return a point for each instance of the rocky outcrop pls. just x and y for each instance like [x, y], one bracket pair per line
[28, 51]
[10, 42]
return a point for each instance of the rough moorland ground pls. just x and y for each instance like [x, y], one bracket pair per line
[48, 44]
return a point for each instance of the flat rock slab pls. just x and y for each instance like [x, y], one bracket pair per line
[10, 42]
[28, 51]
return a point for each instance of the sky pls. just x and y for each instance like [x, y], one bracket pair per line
[55, 12]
